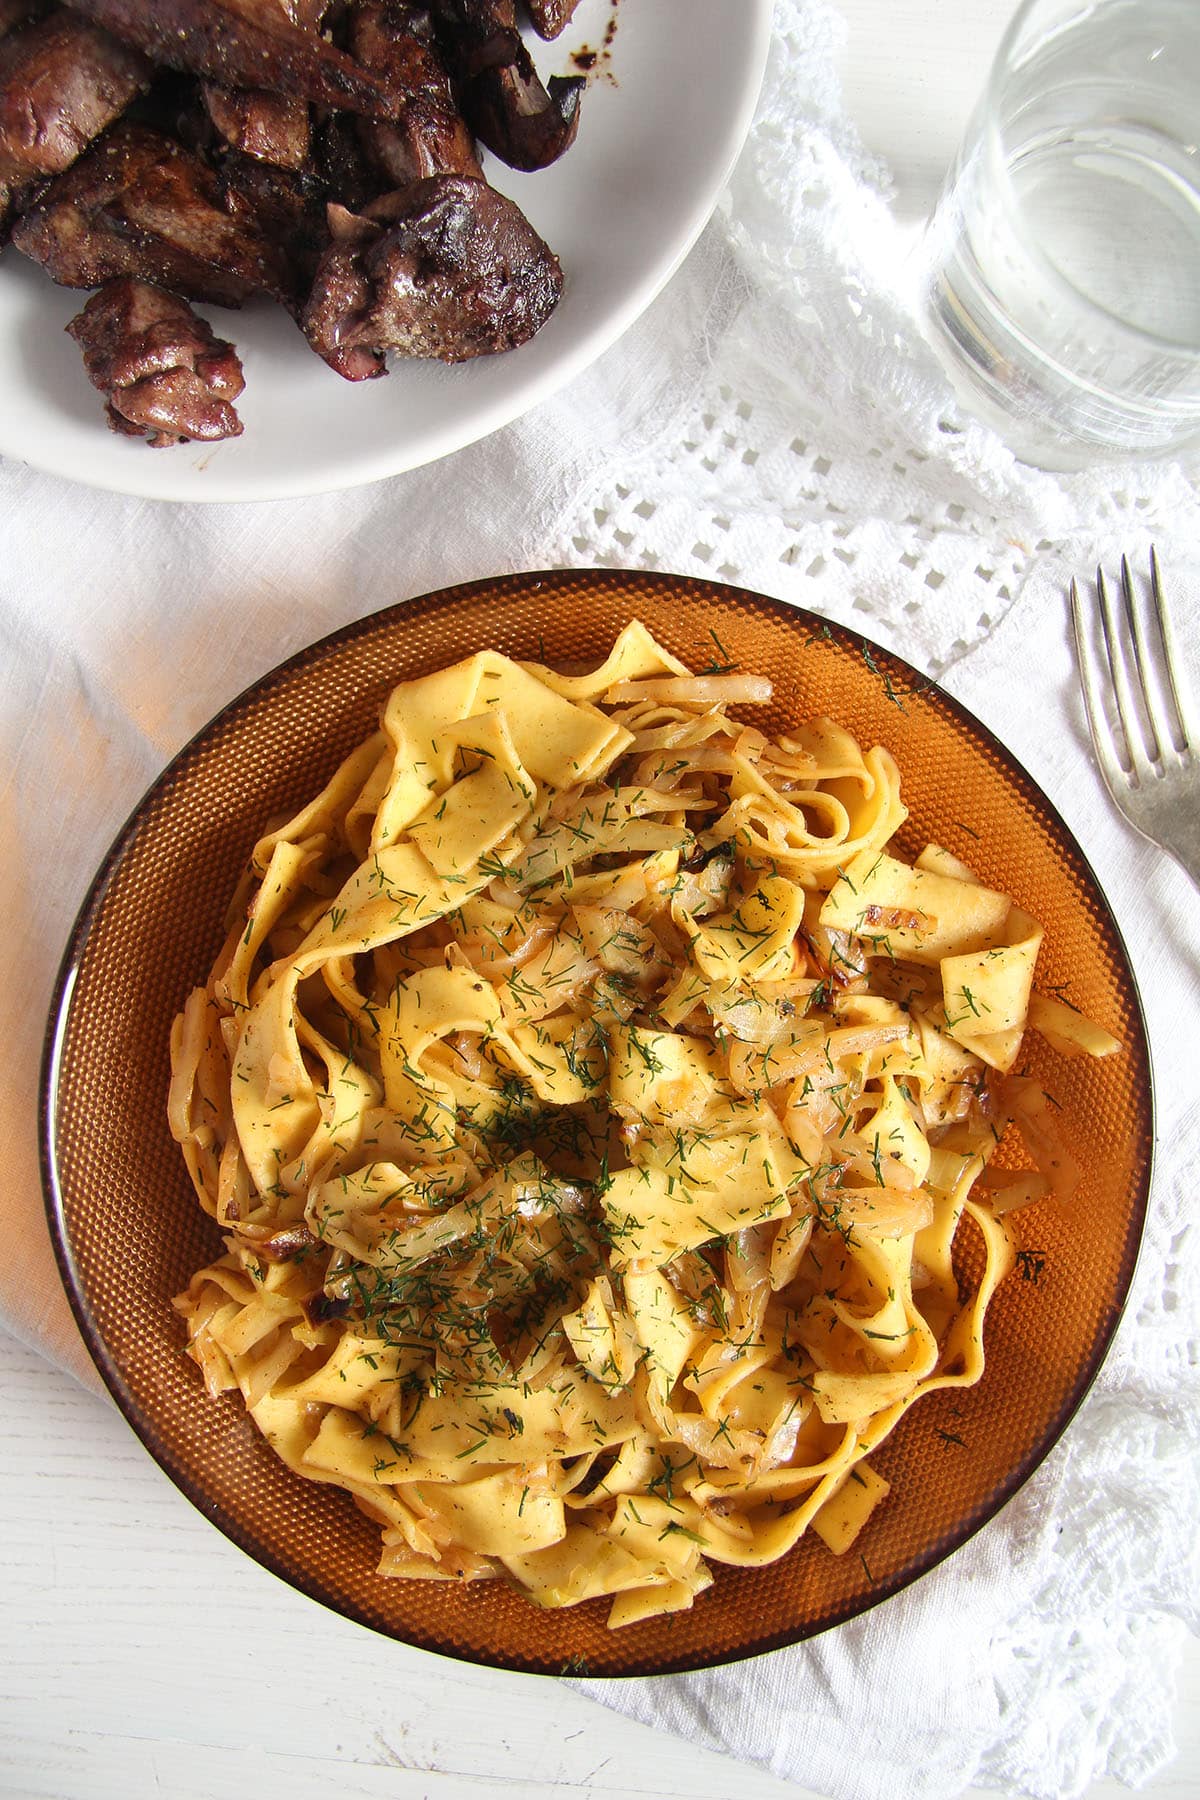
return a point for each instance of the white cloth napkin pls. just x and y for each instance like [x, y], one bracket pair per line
[774, 421]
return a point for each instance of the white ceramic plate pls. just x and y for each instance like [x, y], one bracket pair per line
[662, 125]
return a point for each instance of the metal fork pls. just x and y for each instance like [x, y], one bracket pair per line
[1150, 761]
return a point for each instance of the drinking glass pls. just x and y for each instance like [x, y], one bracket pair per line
[1060, 273]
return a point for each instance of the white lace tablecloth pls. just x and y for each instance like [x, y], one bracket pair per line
[772, 421]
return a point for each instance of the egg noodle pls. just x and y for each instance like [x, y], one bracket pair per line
[592, 1104]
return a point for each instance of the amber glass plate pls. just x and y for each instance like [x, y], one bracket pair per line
[129, 1234]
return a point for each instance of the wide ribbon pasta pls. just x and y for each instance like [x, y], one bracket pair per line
[592, 1101]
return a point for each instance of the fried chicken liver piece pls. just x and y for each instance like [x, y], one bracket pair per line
[164, 373]
[62, 81]
[139, 204]
[550, 18]
[288, 207]
[274, 128]
[395, 39]
[243, 44]
[445, 268]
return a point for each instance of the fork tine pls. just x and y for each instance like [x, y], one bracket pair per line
[1115, 779]
[1180, 693]
[1155, 710]
[1134, 760]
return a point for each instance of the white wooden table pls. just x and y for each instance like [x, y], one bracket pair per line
[143, 1654]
